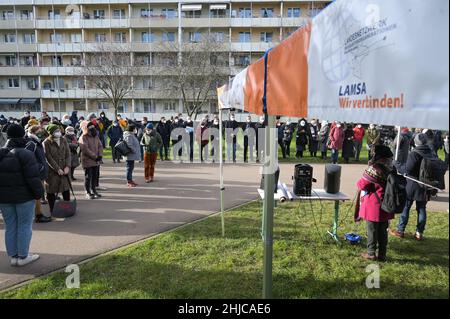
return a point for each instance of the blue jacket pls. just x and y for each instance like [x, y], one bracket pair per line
[115, 133]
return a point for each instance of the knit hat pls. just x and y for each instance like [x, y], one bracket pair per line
[70, 129]
[131, 128]
[51, 128]
[91, 116]
[420, 139]
[149, 126]
[382, 151]
[15, 131]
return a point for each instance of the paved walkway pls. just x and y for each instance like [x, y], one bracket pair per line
[180, 194]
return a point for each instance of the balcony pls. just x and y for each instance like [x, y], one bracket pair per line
[60, 47]
[19, 93]
[154, 22]
[105, 23]
[205, 22]
[60, 70]
[63, 93]
[22, 70]
[69, 23]
[154, 94]
[216, 47]
[252, 46]
[294, 22]
[156, 46]
[255, 22]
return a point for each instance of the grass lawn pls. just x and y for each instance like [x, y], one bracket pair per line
[196, 262]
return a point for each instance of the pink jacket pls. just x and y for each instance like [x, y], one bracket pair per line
[336, 137]
[370, 207]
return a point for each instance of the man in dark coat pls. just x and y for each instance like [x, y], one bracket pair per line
[176, 124]
[301, 138]
[347, 146]
[249, 138]
[280, 132]
[403, 150]
[415, 191]
[230, 137]
[189, 125]
[259, 131]
[115, 133]
[25, 119]
[74, 118]
[163, 129]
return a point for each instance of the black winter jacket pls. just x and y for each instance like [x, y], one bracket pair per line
[36, 147]
[19, 174]
[414, 190]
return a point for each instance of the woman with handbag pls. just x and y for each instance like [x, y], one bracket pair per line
[57, 154]
[72, 140]
[91, 156]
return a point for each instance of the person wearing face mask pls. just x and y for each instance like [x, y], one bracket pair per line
[371, 188]
[91, 156]
[152, 142]
[336, 138]
[313, 138]
[347, 145]
[176, 124]
[358, 136]
[3, 137]
[163, 129]
[26, 117]
[301, 138]
[230, 136]
[57, 154]
[373, 138]
[140, 133]
[288, 131]
[35, 146]
[115, 134]
[130, 138]
[414, 191]
[72, 140]
[323, 138]
[280, 132]
[249, 138]
[189, 125]
[103, 124]
[202, 139]
[259, 131]
[215, 143]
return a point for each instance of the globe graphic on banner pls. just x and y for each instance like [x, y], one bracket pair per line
[335, 64]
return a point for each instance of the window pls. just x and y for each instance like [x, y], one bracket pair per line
[99, 14]
[32, 84]
[123, 107]
[168, 13]
[13, 83]
[219, 59]
[28, 38]
[294, 12]
[192, 14]
[146, 106]
[266, 36]
[26, 14]
[78, 83]
[244, 37]
[213, 107]
[79, 105]
[75, 61]
[10, 38]
[243, 60]
[8, 15]
[54, 14]
[148, 83]
[218, 36]
[245, 12]
[102, 105]
[170, 106]
[59, 106]
[11, 60]
[195, 37]
[267, 12]
[28, 60]
[120, 37]
[147, 37]
[100, 37]
[146, 13]
[56, 60]
[56, 37]
[218, 13]
[75, 37]
[119, 14]
[58, 83]
[168, 36]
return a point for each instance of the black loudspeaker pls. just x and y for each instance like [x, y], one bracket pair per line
[332, 178]
[303, 178]
[277, 176]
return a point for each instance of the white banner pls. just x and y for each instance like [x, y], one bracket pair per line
[381, 61]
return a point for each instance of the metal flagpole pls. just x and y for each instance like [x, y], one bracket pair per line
[222, 188]
[398, 143]
[270, 157]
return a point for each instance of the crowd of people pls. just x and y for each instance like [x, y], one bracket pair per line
[39, 156]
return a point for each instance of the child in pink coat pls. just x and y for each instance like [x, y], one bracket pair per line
[371, 187]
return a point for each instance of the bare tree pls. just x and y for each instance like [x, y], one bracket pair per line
[110, 70]
[200, 66]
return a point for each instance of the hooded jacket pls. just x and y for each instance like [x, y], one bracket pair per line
[20, 180]
[90, 147]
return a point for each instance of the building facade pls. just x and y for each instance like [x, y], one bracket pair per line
[44, 43]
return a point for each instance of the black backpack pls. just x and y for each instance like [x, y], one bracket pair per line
[122, 148]
[432, 170]
[394, 198]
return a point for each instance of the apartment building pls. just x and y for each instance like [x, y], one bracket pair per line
[44, 43]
